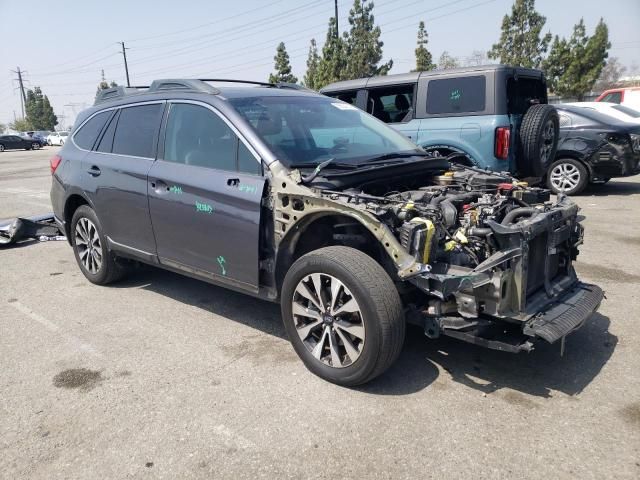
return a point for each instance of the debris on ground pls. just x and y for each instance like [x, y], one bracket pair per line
[38, 227]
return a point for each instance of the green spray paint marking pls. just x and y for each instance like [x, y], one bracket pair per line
[221, 262]
[248, 188]
[175, 189]
[204, 207]
[455, 94]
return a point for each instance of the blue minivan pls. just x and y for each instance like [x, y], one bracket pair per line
[496, 116]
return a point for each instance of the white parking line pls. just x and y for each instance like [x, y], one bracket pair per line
[52, 327]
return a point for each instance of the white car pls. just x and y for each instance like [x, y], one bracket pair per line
[619, 112]
[57, 138]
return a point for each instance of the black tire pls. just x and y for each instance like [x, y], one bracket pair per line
[109, 270]
[35, 146]
[1, 148]
[575, 173]
[380, 312]
[538, 140]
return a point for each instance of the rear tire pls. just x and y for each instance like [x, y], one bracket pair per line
[538, 140]
[89, 244]
[1, 148]
[567, 176]
[347, 325]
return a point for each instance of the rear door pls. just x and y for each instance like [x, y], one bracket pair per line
[205, 193]
[116, 175]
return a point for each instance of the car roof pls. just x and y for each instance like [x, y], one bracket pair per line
[413, 77]
[592, 114]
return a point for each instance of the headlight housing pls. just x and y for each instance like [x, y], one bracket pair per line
[635, 142]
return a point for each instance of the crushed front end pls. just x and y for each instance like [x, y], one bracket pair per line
[493, 259]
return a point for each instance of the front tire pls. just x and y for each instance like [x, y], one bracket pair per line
[89, 244]
[343, 315]
[567, 176]
[1, 148]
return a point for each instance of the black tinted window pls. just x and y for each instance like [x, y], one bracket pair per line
[613, 97]
[136, 130]
[197, 136]
[88, 133]
[106, 142]
[348, 96]
[391, 104]
[456, 95]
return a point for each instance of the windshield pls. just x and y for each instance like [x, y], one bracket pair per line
[304, 131]
[629, 111]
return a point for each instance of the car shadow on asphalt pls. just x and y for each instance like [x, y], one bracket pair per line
[422, 361]
[614, 187]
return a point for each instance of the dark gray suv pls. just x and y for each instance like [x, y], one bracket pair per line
[295, 197]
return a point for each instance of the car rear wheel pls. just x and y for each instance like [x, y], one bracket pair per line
[567, 176]
[35, 146]
[1, 148]
[343, 315]
[89, 244]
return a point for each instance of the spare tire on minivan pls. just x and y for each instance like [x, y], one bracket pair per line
[538, 140]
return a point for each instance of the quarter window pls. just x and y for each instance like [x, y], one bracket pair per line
[456, 95]
[136, 130]
[86, 137]
[106, 142]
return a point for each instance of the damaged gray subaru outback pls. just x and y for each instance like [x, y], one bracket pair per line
[301, 199]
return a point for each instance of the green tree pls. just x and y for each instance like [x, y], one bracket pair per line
[331, 66]
[573, 66]
[103, 85]
[3, 127]
[447, 62]
[520, 42]
[363, 45]
[313, 62]
[424, 60]
[21, 125]
[39, 112]
[282, 66]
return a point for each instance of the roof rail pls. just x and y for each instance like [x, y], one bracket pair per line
[116, 92]
[182, 84]
[231, 80]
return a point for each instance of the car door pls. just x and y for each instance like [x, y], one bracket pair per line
[115, 175]
[205, 193]
[17, 142]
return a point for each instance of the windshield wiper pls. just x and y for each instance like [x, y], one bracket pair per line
[309, 178]
[394, 155]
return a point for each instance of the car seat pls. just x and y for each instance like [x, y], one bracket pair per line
[403, 106]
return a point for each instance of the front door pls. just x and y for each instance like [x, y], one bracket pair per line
[205, 193]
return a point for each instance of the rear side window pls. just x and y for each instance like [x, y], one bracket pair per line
[456, 95]
[391, 104]
[613, 97]
[136, 130]
[86, 137]
[106, 142]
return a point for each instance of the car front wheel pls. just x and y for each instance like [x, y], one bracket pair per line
[343, 315]
[1, 148]
[89, 244]
[35, 146]
[567, 176]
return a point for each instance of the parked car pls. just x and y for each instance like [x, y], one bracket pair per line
[621, 113]
[496, 115]
[16, 142]
[593, 147]
[38, 138]
[57, 138]
[295, 197]
[629, 96]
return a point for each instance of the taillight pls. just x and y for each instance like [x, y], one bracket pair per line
[55, 161]
[503, 136]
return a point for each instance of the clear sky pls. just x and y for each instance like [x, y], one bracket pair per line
[64, 45]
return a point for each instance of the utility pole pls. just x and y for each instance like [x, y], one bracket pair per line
[337, 28]
[23, 96]
[126, 68]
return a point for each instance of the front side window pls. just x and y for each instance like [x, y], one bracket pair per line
[307, 130]
[456, 95]
[197, 136]
[613, 97]
[136, 130]
[86, 137]
[392, 104]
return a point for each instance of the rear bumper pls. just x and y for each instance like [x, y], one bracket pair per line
[566, 314]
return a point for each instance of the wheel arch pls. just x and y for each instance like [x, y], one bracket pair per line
[72, 203]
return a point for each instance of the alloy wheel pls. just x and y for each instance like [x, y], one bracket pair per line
[88, 244]
[565, 177]
[548, 137]
[328, 320]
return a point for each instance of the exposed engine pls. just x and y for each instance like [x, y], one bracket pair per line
[448, 221]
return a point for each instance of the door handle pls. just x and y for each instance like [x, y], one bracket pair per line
[159, 186]
[233, 182]
[94, 171]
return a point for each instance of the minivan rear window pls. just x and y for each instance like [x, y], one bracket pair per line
[456, 95]
[137, 129]
[86, 137]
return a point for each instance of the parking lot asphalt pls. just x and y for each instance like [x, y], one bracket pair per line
[162, 376]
